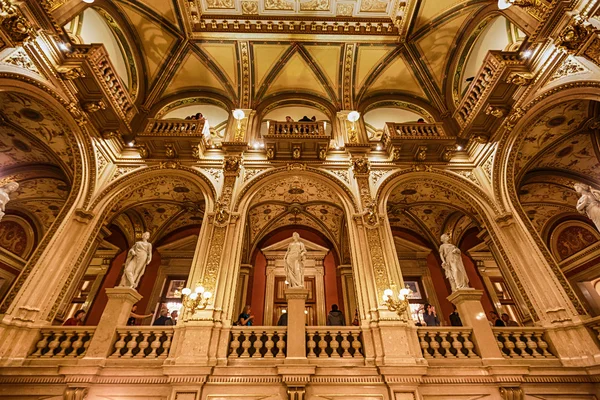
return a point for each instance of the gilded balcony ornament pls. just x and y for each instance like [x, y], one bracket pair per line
[296, 152]
[519, 78]
[143, 150]
[371, 217]
[196, 152]
[481, 138]
[72, 73]
[14, 25]
[361, 166]
[421, 154]
[270, 152]
[109, 134]
[322, 153]
[496, 111]
[448, 153]
[232, 164]
[396, 154]
[170, 150]
[94, 106]
[574, 35]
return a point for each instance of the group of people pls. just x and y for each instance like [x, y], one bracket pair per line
[430, 318]
[165, 317]
[196, 117]
[303, 119]
[334, 318]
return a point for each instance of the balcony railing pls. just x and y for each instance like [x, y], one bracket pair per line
[523, 343]
[322, 343]
[414, 130]
[94, 58]
[63, 342]
[174, 127]
[258, 342]
[447, 343]
[303, 129]
[146, 342]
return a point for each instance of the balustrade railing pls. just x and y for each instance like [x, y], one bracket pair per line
[174, 127]
[489, 74]
[143, 342]
[296, 128]
[414, 130]
[63, 342]
[115, 90]
[523, 343]
[447, 342]
[257, 342]
[323, 342]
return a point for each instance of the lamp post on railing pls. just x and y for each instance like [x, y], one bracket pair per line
[196, 300]
[353, 116]
[239, 115]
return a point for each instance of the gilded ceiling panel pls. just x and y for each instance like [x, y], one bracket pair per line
[432, 216]
[42, 188]
[358, 8]
[266, 56]
[575, 153]
[164, 8]
[397, 75]
[369, 59]
[296, 75]
[224, 55]
[399, 219]
[421, 192]
[193, 74]
[16, 148]
[155, 215]
[539, 214]
[296, 189]
[549, 127]
[327, 57]
[545, 192]
[156, 41]
[332, 217]
[261, 216]
[45, 211]
[430, 9]
[40, 121]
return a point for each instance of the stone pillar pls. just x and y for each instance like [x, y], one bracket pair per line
[269, 293]
[348, 292]
[75, 393]
[468, 304]
[242, 290]
[116, 313]
[296, 329]
[320, 293]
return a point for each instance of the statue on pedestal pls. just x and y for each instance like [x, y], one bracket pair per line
[294, 262]
[138, 257]
[453, 264]
[589, 203]
[5, 192]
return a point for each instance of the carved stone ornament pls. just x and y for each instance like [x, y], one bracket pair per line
[14, 25]
[371, 217]
[143, 150]
[322, 152]
[109, 134]
[170, 165]
[196, 152]
[221, 213]
[421, 154]
[83, 216]
[481, 138]
[270, 152]
[73, 393]
[5, 192]
[72, 73]
[76, 113]
[94, 106]
[170, 150]
[496, 111]
[232, 164]
[512, 393]
[361, 166]
[396, 154]
[448, 153]
[519, 78]
[574, 36]
[296, 153]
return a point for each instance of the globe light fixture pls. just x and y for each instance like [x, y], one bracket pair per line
[88, 1]
[504, 4]
[399, 306]
[239, 115]
[353, 116]
[196, 300]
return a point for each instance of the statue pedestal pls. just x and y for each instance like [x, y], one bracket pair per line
[296, 329]
[468, 304]
[116, 313]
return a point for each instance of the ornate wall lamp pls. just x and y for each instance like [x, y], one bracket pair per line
[399, 306]
[504, 4]
[196, 300]
[353, 116]
[239, 115]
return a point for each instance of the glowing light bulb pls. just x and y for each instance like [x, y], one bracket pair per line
[186, 291]
[504, 4]
[353, 116]
[207, 295]
[88, 1]
[194, 296]
[527, 53]
[378, 147]
[239, 114]
[199, 289]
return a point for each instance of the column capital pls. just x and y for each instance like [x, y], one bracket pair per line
[123, 293]
[296, 293]
[462, 295]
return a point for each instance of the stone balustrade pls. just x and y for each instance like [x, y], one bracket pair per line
[495, 66]
[106, 75]
[63, 342]
[414, 130]
[447, 342]
[147, 342]
[174, 127]
[303, 129]
[258, 342]
[324, 342]
[524, 343]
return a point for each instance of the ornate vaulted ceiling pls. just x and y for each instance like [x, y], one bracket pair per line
[180, 49]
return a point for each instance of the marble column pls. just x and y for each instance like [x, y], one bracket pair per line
[242, 290]
[348, 292]
[320, 293]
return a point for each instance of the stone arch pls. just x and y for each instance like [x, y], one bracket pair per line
[84, 164]
[483, 206]
[504, 175]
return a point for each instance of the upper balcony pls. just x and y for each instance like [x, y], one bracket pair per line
[173, 138]
[296, 140]
[101, 91]
[418, 141]
[490, 96]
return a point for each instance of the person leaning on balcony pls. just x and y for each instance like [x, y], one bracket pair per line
[75, 320]
[430, 316]
[335, 316]
[245, 318]
[289, 119]
[164, 319]
[455, 318]
[133, 317]
[507, 321]
[495, 320]
[304, 119]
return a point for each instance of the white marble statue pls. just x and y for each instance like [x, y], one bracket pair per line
[453, 264]
[138, 257]
[589, 203]
[294, 262]
[5, 192]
